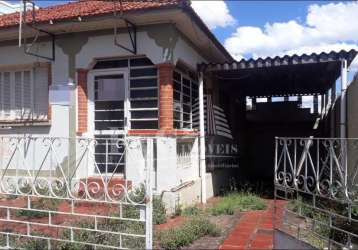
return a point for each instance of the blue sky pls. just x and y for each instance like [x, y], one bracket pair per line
[258, 13]
[255, 13]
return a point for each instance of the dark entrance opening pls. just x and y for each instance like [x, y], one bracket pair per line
[283, 84]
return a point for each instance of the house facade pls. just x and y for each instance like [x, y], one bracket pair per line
[113, 72]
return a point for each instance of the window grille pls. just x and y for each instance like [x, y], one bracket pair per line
[143, 90]
[185, 95]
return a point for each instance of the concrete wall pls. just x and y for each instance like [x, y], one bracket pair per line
[166, 174]
[352, 109]
[352, 130]
[191, 194]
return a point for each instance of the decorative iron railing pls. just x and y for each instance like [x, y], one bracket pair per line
[318, 179]
[64, 192]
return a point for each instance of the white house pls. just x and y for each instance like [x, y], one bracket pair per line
[110, 70]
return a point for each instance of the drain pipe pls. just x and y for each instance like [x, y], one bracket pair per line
[202, 138]
[343, 118]
[344, 84]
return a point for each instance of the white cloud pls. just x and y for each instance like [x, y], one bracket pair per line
[327, 27]
[214, 13]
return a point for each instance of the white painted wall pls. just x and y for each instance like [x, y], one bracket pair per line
[101, 46]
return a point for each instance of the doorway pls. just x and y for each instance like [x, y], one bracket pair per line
[110, 123]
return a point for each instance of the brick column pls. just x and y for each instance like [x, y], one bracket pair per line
[82, 101]
[165, 96]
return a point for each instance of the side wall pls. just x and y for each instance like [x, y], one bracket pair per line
[352, 109]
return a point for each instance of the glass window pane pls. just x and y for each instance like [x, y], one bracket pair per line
[110, 88]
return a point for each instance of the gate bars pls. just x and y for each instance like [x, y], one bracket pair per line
[317, 181]
[50, 200]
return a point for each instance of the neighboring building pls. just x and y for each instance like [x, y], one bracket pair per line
[7, 7]
[84, 84]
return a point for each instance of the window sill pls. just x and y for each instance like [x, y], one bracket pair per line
[158, 132]
[24, 123]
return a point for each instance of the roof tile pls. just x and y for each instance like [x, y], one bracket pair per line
[84, 8]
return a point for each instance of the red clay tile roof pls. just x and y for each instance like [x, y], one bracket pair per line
[85, 8]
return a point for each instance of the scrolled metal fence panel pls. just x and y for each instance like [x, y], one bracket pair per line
[316, 190]
[57, 193]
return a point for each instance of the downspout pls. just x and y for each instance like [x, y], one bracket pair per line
[202, 138]
[343, 122]
[344, 84]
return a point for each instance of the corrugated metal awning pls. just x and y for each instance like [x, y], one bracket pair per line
[280, 61]
[279, 76]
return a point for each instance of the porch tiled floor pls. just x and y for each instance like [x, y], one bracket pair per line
[254, 230]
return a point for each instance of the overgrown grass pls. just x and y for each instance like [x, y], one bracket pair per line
[190, 231]
[242, 201]
[319, 220]
[191, 211]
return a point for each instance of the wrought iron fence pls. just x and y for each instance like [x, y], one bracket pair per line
[316, 190]
[62, 193]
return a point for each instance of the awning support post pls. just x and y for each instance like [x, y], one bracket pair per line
[202, 138]
[344, 84]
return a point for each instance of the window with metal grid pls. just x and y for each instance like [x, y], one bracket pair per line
[185, 95]
[143, 90]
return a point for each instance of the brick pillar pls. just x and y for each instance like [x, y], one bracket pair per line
[82, 101]
[165, 96]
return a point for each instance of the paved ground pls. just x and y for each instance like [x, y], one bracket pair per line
[254, 229]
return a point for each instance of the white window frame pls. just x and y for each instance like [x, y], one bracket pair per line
[13, 114]
[181, 104]
[91, 100]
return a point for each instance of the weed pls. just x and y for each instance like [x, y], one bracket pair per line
[159, 211]
[190, 231]
[40, 204]
[109, 239]
[178, 210]
[242, 201]
[192, 211]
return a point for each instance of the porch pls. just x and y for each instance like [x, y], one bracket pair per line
[266, 102]
[290, 96]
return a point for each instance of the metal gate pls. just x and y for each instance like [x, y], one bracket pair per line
[54, 195]
[316, 192]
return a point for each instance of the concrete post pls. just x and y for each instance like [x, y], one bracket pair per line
[202, 138]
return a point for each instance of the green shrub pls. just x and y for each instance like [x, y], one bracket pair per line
[242, 201]
[159, 211]
[34, 244]
[40, 204]
[190, 231]
[31, 213]
[110, 225]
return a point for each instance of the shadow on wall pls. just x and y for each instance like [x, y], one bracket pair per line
[166, 38]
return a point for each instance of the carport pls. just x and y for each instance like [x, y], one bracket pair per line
[264, 98]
